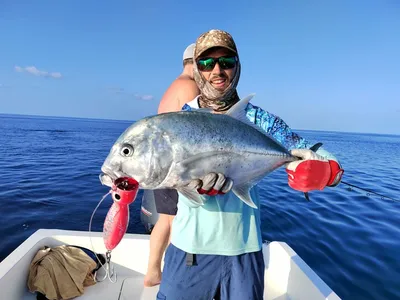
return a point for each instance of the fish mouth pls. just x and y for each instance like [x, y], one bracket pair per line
[108, 176]
[117, 180]
[106, 179]
[121, 183]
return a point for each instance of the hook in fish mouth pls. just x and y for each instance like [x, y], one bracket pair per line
[126, 184]
[123, 183]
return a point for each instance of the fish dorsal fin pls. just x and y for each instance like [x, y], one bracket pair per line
[238, 112]
[239, 108]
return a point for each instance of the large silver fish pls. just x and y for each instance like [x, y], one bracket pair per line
[172, 149]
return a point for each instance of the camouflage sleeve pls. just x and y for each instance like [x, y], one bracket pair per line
[279, 130]
[276, 127]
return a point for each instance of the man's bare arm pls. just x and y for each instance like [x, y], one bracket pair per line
[180, 92]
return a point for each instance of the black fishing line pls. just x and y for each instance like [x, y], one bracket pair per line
[351, 187]
[369, 193]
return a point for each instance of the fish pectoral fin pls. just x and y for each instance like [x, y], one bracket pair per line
[193, 196]
[194, 166]
[243, 192]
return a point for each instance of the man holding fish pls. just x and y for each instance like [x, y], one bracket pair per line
[215, 160]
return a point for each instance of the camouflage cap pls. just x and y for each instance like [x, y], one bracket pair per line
[214, 38]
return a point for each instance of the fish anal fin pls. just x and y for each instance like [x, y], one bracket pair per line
[243, 192]
[192, 195]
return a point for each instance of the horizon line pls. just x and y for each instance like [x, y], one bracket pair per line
[125, 120]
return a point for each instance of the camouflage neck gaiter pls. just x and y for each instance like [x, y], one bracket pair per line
[209, 96]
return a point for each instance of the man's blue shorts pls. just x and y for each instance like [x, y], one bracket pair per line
[217, 277]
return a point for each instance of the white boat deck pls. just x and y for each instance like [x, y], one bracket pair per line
[286, 275]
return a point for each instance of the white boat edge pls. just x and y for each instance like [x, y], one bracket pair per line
[287, 276]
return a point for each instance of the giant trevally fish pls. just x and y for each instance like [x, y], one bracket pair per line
[170, 150]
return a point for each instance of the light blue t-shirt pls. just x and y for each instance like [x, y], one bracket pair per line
[225, 225]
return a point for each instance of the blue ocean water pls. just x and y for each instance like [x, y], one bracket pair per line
[49, 179]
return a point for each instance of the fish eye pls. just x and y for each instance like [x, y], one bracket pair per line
[126, 150]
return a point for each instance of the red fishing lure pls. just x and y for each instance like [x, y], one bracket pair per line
[124, 192]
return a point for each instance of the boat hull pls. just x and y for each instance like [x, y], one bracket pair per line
[287, 276]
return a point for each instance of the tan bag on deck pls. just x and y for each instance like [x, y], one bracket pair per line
[61, 272]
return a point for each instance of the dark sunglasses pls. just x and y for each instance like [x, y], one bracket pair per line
[208, 63]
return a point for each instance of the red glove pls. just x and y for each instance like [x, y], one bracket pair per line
[313, 172]
[212, 184]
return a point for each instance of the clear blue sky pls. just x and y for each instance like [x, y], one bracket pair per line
[320, 65]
